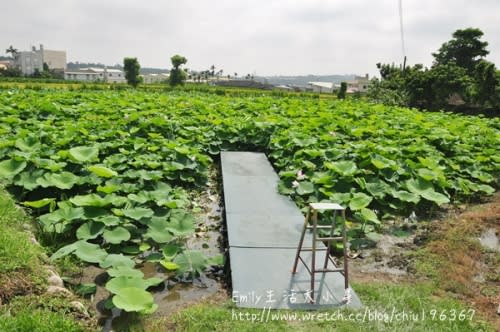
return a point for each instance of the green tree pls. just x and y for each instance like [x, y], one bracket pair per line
[486, 85]
[466, 49]
[457, 72]
[446, 81]
[131, 67]
[342, 90]
[177, 75]
[11, 72]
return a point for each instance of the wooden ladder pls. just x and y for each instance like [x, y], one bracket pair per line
[312, 217]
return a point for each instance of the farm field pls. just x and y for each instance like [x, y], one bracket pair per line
[111, 175]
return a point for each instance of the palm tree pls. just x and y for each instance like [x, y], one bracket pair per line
[13, 51]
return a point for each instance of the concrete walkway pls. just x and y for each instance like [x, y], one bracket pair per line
[264, 230]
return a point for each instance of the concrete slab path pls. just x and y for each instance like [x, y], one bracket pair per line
[264, 230]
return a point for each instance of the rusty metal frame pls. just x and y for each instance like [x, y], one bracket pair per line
[312, 216]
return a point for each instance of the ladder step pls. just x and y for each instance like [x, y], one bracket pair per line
[317, 249]
[319, 227]
[329, 270]
[332, 238]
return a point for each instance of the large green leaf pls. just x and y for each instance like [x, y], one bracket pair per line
[124, 270]
[378, 189]
[29, 143]
[84, 153]
[181, 223]
[427, 174]
[40, 203]
[425, 189]
[359, 201]
[170, 266]
[92, 200]
[419, 185]
[381, 162]
[369, 215]
[116, 285]
[63, 251]
[53, 221]
[109, 220]
[89, 252]
[158, 231]
[344, 168]
[115, 260]
[116, 235]
[170, 250]
[340, 197]
[406, 196]
[64, 180]
[89, 230]
[191, 261]
[161, 193]
[486, 189]
[138, 213]
[10, 167]
[28, 180]
[435, 197]
[305, 188]
[134, 299]
[102, 171]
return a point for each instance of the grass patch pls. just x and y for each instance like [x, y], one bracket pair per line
[42, 313]
[23, 279]
[451, 259]
[425, 312]
[10, 215]
[455, 262]
[16, 251]
[40, 321]
[20, 259]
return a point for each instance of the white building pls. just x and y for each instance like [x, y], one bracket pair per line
[96, 75]
[154, 78]
[54, 59]
[30, 61]
[359, 84]
[323, 87]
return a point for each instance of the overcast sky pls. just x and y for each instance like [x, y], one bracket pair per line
[265, 37]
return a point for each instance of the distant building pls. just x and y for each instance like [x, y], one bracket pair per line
[284, 87]
[96, 75]
[4, 64]
[359, 84]
[242, 83]
[154, 78]
[323, 87]
[56, 60]
[30, 61]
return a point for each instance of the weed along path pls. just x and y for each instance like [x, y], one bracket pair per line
[263, 233]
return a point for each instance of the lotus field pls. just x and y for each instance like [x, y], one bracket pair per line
[113, 173]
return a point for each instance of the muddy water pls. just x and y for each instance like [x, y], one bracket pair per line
[176, 293]
[490, 240]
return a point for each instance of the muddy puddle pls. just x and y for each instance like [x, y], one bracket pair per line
[490, 240]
